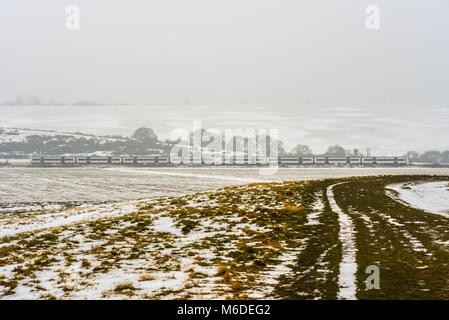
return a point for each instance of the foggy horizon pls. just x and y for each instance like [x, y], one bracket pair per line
[311, 69]
[244, 152]
[258, 52]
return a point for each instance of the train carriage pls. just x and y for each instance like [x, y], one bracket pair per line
[289, 161]
[261, 161]
[99, 160]
[251, 160]
[401, 161]
[385, 160]
[368, 160]
[355, 160]
[36, 160]
[52, 160]
[129, 160]
[69, 160]
[340, 161]
[273, 161]
[320, 160]
[162, 160]
[240, 160]
[145, 160]
[116, 160]
[306, 160]
[82, 160]
[211, 159]
[232, 160]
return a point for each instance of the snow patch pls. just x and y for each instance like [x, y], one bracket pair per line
[318, 206]
[348, 265]
[432, 197]
[416, 244]
[192, 175]
[66, 217]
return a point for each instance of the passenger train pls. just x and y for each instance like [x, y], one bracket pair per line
[165, 161]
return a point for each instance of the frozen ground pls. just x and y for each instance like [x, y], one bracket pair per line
[189, 247]
[20, 134]
[14, 223]
[111, 184]
[287, 240]
[429, 196]
[348, 265]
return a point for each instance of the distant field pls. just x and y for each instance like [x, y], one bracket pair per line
[286, 240]
[111, 184]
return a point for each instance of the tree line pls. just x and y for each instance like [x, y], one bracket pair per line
[145, 141]
[432, 156]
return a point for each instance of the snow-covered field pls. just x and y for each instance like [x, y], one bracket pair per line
[429, 196]
[14, 223]
[319, 123]
[111, 184]
[20, 134]
[189, 247]
[179, 239]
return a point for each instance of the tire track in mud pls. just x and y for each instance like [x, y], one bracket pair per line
[314, 274]
[348, 266]
[401, 241]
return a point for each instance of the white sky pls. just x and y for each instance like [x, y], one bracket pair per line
[217, 51]
[315, 52]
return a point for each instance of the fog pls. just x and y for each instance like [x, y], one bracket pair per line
[215, 52]
[298, 55]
